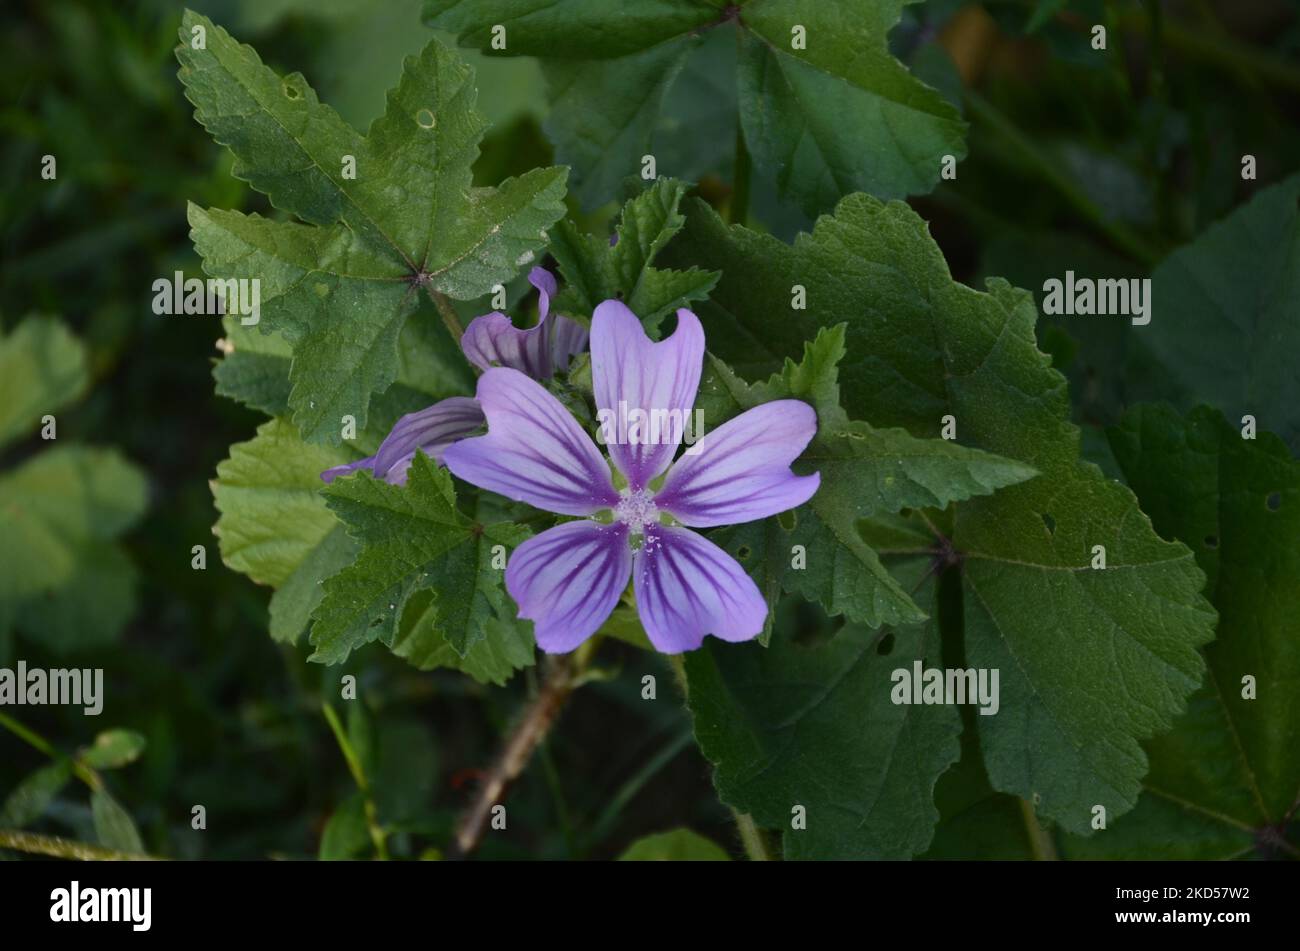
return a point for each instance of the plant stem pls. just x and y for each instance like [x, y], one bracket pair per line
[1119, 235]
[35, 844]
[38, 742]
[562, 676]
[377, 834]
[450, 319]
[752, 838]
[1040, 843]
[28, 736]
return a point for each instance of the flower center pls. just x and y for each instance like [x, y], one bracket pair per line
[636, 510]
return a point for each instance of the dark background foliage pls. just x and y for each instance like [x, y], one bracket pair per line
[1075, 161]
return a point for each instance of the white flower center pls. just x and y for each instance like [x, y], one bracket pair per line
[636, 510]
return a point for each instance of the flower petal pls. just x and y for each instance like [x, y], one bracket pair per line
[534, 450]
[329, 475]
[568, 339]
[568, 579]
[544, 281]
[631, 373]
[493, 340]
[741, 471]
[687, 587]
[432, 429]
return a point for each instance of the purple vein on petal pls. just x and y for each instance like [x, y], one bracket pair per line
[687, 587]
[568, 580]
[740, 471]
[534, 451]
[631, 372]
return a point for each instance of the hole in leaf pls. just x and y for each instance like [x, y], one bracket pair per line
[742, 552]
[886, 645]
[424, 119]
[290, 89]
[1274, 501]
[1211, 541]
[1050, 523]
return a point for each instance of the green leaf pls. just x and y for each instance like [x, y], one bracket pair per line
[595, 271]
[1092, 660]
[114, 826]
[295, 600]
[836, 116]
[1224, 782]
[842, 115]
[506, 646]
[814, 726]
[272, 514]
[864, 472]
[679, 845]
[339, 286]
[414, 538]
[569, 29]
[1223, 313]
[346, 835]
[255, 368]
[113, 749]
[975, 822]
[604, 113]
[33, 795]
[56, 510]
[42, 369]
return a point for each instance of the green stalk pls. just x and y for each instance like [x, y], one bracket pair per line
[35, 844]
[450, 319]
[753, 838]
[83, 772]
[1040, 843]
[377, 834]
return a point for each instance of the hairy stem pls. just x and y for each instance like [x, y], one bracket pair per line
[753, 838]
[563, 674]
[35, 844]
[450, 319]
[1040, 842]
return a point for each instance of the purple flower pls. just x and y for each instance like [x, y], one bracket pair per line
[432, 429]
[489, 340]
[540, 351]
[569, 578]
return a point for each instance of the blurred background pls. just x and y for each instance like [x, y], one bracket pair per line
[1101, 164]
